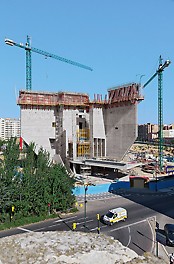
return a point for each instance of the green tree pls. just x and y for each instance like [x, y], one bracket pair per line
[36, 184]
[8, 167]
[45, 183]
[2, 143]
[61, 186]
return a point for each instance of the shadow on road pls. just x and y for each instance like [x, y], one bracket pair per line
[138, 247]
[156, 201]
[145, 236]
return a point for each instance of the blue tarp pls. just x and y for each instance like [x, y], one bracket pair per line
[101, 188]
[161, 184]
[110, 187]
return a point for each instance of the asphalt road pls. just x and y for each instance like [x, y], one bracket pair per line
[137, 232]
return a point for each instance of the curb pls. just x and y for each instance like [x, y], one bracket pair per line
[139, 192]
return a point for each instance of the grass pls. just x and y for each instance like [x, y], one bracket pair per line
[25, 221]
[30, 220]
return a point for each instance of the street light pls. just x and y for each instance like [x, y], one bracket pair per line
[141, 77]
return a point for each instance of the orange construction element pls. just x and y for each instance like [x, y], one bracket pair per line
[52, 99]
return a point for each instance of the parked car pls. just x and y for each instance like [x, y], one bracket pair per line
[169, 232]
[115, 215]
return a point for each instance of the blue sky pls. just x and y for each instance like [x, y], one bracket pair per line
[120, 39]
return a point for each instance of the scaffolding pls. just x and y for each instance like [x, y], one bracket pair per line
[83, 149]
[83, 144]
[83, 134]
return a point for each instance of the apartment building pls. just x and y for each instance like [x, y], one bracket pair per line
[149, 132]
[9, 127]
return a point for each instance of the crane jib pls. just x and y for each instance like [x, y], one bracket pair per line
[28, 49]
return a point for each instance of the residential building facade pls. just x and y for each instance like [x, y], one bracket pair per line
[149, 132]
[9, 127]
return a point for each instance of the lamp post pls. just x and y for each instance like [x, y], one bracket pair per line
[85, 202]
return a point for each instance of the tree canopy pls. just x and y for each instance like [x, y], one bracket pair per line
[33, 184]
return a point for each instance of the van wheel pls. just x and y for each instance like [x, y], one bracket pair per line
[111, 224]
[124, 219]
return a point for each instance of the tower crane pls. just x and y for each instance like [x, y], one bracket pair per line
[29, 49]
[159, 72]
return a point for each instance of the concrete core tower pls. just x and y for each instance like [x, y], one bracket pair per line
[71, 127]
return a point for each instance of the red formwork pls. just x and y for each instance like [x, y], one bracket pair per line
[52, 99]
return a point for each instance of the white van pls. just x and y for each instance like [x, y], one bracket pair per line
[115, 215]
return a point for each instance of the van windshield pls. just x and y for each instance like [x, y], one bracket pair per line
[109, 214]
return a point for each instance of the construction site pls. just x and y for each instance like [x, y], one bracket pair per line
[86, 136]
[93, 139]
[75, 129]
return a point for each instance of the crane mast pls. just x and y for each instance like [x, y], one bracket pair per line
[159, 72]
[160, 116]
[30, 49]
[28, 64]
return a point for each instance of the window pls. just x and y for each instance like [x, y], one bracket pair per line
[80, 125]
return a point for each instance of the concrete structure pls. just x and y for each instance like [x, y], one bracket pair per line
[168, 133]
[147, 132]
[71, 127]
[9, 127]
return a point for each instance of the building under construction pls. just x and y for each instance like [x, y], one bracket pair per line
[72, 128]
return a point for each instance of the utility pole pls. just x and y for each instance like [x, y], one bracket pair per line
[85, 202]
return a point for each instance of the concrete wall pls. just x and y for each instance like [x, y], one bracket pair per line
[98, 129]
[97, 133]
[113, 128]
[121, 130]
[36, 126]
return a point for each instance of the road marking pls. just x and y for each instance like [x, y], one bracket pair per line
[101, 227]
[26, 230]
[82, 218]
[118, 228]
[129, 237]
[65, 219]
[40, 229]
[52, 225]
[165, 249]
[152, 231]
[86, 222]
[93, 229]
[45, 227]
[102, 198]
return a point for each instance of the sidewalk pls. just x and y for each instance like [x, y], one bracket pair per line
[143, 191]
[162, 252]
[158, 249]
